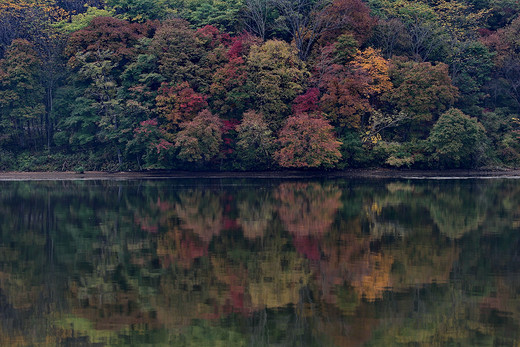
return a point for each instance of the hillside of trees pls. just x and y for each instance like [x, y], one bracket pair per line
[259, 84]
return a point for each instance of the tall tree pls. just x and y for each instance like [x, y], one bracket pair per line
[229, 91]
[256, 15]
[102, 91]
[110, 34]
[21, 94]
[222, 14]
[140, 10]
[276, 76]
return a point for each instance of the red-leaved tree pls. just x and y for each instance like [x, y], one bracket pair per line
[307, 141]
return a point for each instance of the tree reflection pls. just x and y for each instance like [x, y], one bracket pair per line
[340, 262]
[307, 208]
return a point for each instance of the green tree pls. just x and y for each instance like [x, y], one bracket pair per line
[149, 146]
[457, 140]
[471, 67]
[140, 10]
[225, 15]
[81, 20]
[102, 91]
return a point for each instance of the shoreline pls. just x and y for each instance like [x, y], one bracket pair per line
[352, 173]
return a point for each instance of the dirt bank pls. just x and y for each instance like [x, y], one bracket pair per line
[372, 173]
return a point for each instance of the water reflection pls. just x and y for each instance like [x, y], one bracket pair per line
[243, 262]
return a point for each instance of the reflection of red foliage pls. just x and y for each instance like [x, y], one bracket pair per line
[190, 250]
[180, 247]
[308, 246]
[230, 224]
[147, 224]
[307, 209]
[342, 261]
[235, 302]
[164, 206]
[237, 296]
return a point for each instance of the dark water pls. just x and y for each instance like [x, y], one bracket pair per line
[260, 262]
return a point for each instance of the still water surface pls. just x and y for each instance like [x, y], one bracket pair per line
[242, 262]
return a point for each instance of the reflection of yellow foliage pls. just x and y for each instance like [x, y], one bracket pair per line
[278, 279]
[375, 208]
[277, 292]
[77, 326]
[395, 187]
[372, 285]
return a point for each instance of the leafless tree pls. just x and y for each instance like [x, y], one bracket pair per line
[510, 72]
[307, 20]
[390, 35]
[256, 16]
[425, 39]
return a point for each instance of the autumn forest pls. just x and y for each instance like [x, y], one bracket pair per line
[126, 85]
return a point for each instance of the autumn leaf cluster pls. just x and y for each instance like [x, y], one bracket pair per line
[256, 85]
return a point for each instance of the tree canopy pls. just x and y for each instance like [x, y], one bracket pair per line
[87, 80]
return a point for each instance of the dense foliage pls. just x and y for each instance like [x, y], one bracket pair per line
[246, 84]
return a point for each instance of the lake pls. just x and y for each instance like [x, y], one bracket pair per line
[260, 262]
